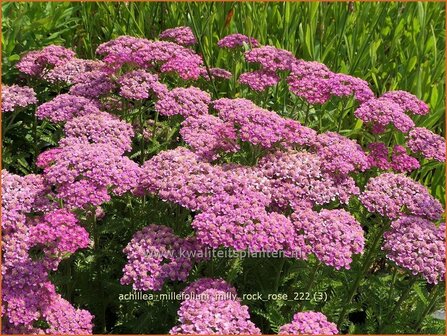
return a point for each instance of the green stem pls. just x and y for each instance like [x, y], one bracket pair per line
[311, 281]
[36, 148]
[11, 121]
[366, 265]
[402, 298]
[342, 115]
[307, 114]
[432, 302]
[278, 276]
[390, 294]
[199, 39]
[313, 276]
[154, 128]
[100, 319]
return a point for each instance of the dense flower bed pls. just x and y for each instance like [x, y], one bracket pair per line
[253, 179]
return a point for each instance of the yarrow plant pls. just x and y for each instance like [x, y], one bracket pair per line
[152, 161]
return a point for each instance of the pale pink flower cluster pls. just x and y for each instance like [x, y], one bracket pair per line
[15, 97]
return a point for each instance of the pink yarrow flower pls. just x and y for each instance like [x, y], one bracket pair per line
[15, 97]
[430, 145]
[237, 40]
[309, 323]
[181, 35]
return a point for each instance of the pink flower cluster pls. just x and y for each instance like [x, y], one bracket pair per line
[84, 173]
[214, 309]
[65, 107]
[392, 195]
[296, 179]
[400, 161]
[241, 221]
[429, 144]
[339, 154]
[181, 177]
[309, 323]
[28, 297]
[260, 126]
[378, 155]
[187, 102]
[417, 245]
[381, 112]
[138, 84]
[27, 293]
[36, 63]
[98, 128]
[208, 136]
[407, 101]
[270, 58]
[57, 233]
[93, 84]
[67, 72]
[20, 195]
[180, 35]
[259, 80]
[237, 40]
[310, 81]
[155, 254]
[168, 56]
[16, 97]
[342, 85]
[334, 235]
[314, 82]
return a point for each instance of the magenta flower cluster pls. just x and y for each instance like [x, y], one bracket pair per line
[67, 72]
[37, 63]
[65, 107]
[259, 80]
[252, 179]
[155, 254]
[98, 128]
[28, 295]
[418, 245]
[209, 136]
[309, 323]
[429, 144]
[139, 84]
[334, 235]
[187, 102]
[237, 40]
[213, 309]
[180, 35]
[392, 195]
[400, 161]
[262, 127]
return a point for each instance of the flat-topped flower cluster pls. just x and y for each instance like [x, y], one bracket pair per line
[253, 179]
